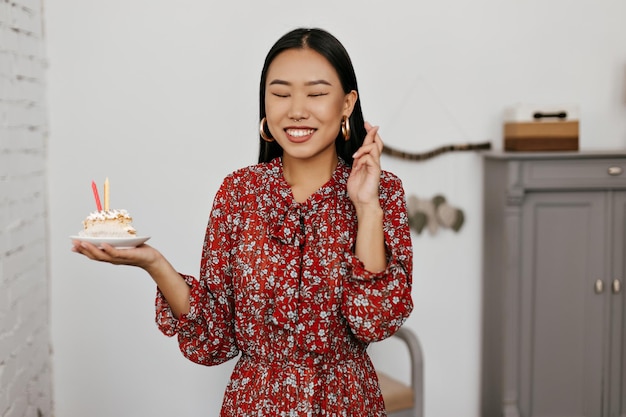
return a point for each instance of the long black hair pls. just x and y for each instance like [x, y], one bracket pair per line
[330, 48]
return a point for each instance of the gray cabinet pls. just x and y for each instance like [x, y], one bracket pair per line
[553, 341]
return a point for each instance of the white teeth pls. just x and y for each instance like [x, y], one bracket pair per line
[299, 132]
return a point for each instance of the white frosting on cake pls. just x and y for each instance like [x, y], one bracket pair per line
[109, 223]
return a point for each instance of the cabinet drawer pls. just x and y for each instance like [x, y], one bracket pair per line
[574, 174]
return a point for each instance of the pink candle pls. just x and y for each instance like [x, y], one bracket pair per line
[96, 196]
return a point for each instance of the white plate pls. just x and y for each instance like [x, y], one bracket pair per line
[118, 242]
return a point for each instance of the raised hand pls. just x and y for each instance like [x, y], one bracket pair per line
[365, 176]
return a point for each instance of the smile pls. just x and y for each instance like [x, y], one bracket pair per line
[299, 133]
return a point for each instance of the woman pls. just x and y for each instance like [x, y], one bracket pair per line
[307, 256]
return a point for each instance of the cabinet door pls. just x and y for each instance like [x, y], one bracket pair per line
[564, 241]
[617, 362]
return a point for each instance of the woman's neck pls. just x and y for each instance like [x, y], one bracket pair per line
[306, 176]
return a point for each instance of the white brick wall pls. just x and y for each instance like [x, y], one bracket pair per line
[25, 380]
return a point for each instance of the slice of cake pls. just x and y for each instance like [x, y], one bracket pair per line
[108, 223]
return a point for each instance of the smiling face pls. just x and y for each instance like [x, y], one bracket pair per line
[304, 103]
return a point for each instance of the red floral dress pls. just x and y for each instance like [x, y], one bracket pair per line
[280, 285]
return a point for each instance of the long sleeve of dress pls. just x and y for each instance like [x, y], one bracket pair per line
[377, 304]
[206, 334]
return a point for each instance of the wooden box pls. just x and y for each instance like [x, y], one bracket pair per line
[541, 136]
[530, 129]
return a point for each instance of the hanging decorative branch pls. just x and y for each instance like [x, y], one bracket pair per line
[438, 151]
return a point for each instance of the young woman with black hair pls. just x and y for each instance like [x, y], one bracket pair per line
[307, 257]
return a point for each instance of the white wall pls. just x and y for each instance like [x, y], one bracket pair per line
[161, 97]
[25, 360]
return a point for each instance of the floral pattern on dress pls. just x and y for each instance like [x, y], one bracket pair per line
[280, 285]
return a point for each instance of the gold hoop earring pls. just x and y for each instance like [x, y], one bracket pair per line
[345, 127]
[262, 131]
